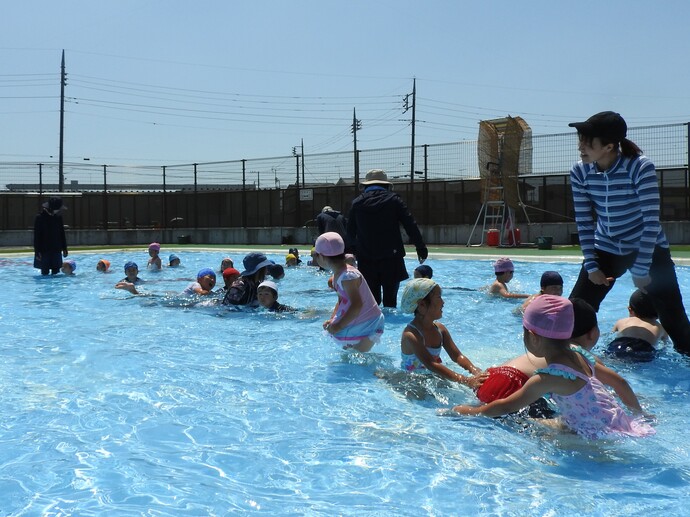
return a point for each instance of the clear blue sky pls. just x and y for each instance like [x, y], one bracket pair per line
[162, 82]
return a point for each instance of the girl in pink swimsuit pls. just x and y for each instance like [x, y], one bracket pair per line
[357, 321]
[572, 379]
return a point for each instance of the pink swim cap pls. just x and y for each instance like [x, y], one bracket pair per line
[155, 246]
[503, 264]
[550, 316]
[330, 244]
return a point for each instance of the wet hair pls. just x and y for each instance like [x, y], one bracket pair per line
[642, 306]
[585, 317]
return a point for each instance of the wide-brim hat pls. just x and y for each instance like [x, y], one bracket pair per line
[376, 177]
[253, 262]
[607, 125]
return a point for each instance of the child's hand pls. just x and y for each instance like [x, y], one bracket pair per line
[127, 286]
[464, 410]
[476, 381]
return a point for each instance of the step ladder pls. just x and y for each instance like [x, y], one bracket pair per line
[492, 214]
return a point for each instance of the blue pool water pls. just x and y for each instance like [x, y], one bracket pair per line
[153, 405]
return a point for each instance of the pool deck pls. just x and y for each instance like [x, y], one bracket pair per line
[680, 253]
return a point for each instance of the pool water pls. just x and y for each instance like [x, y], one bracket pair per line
[125, 405]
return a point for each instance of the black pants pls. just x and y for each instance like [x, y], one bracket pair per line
[663, 291]
[383, 275]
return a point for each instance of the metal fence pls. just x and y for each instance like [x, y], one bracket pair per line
[290, 190]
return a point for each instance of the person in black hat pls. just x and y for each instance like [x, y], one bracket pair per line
[616, 199]
[243, 291]
[373, 231]
[50, 242]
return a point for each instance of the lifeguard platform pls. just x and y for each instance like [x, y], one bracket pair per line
[504, 151]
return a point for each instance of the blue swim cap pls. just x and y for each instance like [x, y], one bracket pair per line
[173, 257]
[129, 265]
[71, 264]
[207, 271]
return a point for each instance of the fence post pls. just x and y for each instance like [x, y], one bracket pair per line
[165, 201]
[244, 193]
[105, 198]
[298, 214]
[426, 183]
[40, 182]
[196, 210]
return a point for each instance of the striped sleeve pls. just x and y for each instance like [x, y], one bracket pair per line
[645, 183]
[583, 215]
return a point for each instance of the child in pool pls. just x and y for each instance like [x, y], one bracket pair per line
[572, 379]
[173, 260]
[504, 270]
[423, 271]
[290, 260]
[267, 293]
[205, 282]
[103, 266]
[506, 379]
[155, 260]
[551, 283]
[639, 333]
[295, 252]
[131, 280]
[357, 321]
[68, 267]
[226, 263]
[229, 276]
[424, 337]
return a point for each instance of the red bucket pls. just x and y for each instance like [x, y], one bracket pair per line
[493, 237]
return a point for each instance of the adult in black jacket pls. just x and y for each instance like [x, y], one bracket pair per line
[374, 228]
[330, 220]
[49, 237]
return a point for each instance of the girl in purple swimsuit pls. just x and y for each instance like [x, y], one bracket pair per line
[574, 381]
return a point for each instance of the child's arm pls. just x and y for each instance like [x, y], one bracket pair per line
[535, 388]
[127, 286]
[454, 352]
[607, 376]
[500, 289]
[352, 289]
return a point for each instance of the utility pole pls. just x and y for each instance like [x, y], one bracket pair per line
[302, 162]
[356, 125]
[407, 107]
[63, 80]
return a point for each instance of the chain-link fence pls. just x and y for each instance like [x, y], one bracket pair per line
[440, 183]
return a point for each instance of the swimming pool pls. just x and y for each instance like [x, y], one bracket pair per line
[153, 405]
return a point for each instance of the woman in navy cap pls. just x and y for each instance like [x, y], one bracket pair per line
[615, 181]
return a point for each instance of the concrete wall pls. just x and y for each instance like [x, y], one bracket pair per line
[562, 233]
